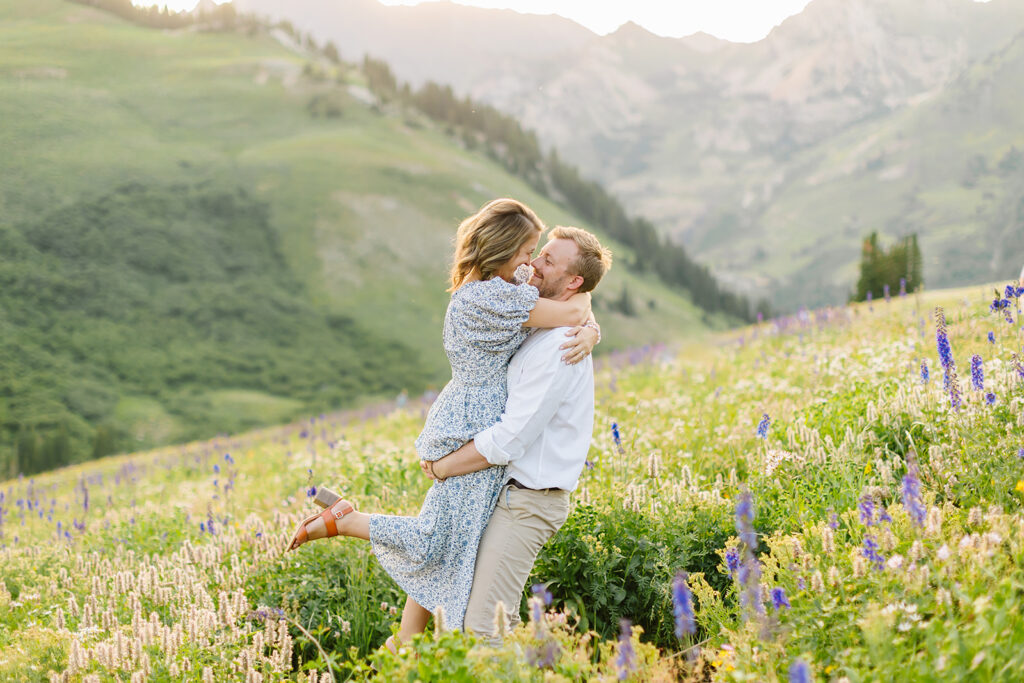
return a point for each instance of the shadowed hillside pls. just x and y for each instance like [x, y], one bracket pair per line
[204, 231]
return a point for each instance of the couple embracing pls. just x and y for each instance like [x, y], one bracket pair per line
[507, 437]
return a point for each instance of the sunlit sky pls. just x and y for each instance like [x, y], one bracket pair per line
[736, 20]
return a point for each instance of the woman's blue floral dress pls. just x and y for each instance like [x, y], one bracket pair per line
[432, 556]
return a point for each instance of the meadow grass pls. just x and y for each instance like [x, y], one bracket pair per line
[166, 565]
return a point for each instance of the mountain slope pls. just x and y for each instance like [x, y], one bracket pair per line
[716, 146]
[204, 232]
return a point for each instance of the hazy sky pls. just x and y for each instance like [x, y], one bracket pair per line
[737, 20]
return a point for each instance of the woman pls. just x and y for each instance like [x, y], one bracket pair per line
[432, 556]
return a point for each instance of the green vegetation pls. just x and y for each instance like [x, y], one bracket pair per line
[203, 231]
[176, 294]
[889, 271]
[876, 573]
[504, 139]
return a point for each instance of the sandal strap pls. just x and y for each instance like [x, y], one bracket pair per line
[300, 537]
[334, 513]
[329, 522]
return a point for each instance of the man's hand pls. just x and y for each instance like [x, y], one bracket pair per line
[429, 471]
[425, 466]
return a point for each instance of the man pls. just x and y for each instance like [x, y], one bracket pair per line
[543, 437]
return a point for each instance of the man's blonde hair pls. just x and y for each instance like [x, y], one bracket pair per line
[490, 238]
[593, 260]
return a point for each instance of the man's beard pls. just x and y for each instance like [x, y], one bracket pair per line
[549, 289]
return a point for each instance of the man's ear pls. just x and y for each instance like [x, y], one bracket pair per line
[574, 283]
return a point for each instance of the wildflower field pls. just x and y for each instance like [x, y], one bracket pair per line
[831, 496]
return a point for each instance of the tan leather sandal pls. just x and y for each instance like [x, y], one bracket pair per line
[330, 516]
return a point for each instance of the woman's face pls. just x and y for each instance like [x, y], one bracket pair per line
[523, 256]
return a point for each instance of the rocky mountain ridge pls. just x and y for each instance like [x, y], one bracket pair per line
[697, 133]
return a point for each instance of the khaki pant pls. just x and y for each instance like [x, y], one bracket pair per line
[522, 523]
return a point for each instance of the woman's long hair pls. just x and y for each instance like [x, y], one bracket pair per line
[490, 238]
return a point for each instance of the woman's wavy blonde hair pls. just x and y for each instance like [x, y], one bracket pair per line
[490, 238]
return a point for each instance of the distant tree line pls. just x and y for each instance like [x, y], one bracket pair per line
[504, 139]
[223, 17]
[519, 151]
[889, 271]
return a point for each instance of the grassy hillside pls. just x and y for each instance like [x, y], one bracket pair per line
[201, 235]
[888, 529]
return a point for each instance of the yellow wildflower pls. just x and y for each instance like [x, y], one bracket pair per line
[1020, 486]
[867, 468]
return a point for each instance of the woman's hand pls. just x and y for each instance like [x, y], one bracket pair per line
[584, 339]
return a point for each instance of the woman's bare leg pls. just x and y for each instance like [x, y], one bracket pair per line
[414, 620]
[354, 524]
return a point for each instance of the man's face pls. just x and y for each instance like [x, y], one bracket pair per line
[552, 268]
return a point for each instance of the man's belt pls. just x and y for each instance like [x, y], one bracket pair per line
[519, 485]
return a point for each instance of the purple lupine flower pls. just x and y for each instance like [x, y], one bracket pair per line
[991, 338]
[762, 426]
[682, 606]
[912, 493]
[885, 292]
[617, 437]
[950, 381]
[924, 371]
[954, 391]
[541, 591]
[799, 672]
[745, 520]
[779, 599]
[870, 552]
[833, 521]
[883, 515]
[1010, 292]
[990, 398]
[545, 654]
[942, 339]
[1020, 454]
[903, 286]
[977, 373]
[311, 492]
[867, 511]
[537, 613]
[1018, 365]
[625, 662]
[749, 572]
[732, 556]
[870, 296]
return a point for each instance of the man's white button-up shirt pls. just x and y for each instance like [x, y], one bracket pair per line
[544, 434]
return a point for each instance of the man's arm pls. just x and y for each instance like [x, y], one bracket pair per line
[463, 461]
[529, 409]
